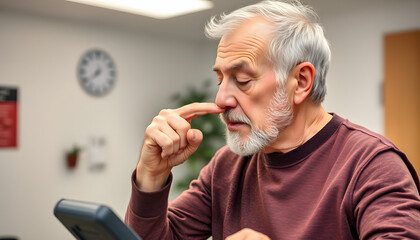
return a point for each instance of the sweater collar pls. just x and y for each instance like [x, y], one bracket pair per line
[300, 153]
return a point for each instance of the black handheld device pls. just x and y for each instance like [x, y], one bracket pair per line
[92, 221]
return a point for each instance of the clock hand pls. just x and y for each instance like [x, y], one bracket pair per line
[96, 73]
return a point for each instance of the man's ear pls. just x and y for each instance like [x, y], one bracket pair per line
[305, 75]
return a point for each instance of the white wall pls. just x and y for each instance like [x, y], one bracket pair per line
[356, 73]
[39, 56]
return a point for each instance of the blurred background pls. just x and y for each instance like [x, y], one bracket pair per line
[43, 41]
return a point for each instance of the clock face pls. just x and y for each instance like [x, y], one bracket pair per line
[96, 72]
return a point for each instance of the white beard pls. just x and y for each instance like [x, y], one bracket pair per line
[279, 116]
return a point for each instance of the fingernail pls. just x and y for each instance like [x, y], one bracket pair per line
[193, 135]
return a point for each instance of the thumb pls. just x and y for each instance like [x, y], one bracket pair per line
[194, 137]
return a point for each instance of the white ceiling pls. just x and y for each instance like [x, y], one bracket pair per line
[188, 27]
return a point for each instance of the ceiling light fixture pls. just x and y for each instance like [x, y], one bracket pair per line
[160, 9]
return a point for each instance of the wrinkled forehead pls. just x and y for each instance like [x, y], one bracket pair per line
[252, 47]
[250, 41]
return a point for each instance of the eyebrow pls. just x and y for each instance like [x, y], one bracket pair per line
[235, 67]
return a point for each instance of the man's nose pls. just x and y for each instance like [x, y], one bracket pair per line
[225, 96]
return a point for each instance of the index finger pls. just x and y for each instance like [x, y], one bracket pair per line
[191, 111]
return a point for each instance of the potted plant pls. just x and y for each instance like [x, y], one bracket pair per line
[72, 156]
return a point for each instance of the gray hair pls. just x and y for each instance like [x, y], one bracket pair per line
[298, 37]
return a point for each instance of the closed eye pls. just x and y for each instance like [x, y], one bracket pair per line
[219, 78]
[243, 83]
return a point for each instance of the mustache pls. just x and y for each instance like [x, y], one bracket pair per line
[231, 116]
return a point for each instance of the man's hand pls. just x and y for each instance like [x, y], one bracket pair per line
[247, 234]
[168, 142]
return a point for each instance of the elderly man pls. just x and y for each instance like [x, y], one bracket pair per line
[290, 170]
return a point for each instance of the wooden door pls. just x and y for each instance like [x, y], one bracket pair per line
[401, 93]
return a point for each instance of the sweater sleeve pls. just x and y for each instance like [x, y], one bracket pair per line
[386, 199]
[187, 217]
[146, 212]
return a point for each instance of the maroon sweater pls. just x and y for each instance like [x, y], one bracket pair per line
[344, 183]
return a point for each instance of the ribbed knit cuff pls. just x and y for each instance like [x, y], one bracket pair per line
[149, 204]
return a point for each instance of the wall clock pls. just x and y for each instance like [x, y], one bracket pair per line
[96, 72]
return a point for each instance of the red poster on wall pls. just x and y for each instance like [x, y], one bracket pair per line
[8, 117]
